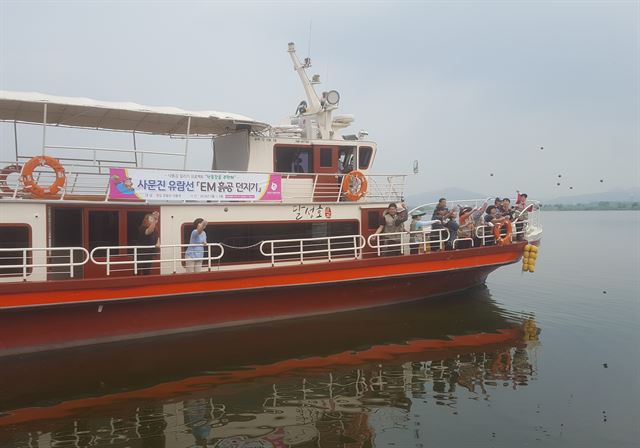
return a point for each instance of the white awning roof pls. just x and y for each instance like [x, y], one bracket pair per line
[28, 107]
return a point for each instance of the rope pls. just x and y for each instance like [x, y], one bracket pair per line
[229, 246]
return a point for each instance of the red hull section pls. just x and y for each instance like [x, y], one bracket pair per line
[68, 313]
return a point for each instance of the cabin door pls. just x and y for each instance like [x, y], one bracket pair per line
[110, 226]
[65, 230]
[371, 219]
[327, 186]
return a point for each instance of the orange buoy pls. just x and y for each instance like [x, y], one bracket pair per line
[506, 239]
[30, 184]
[354, 185]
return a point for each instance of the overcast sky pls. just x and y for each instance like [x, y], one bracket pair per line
[467, 88]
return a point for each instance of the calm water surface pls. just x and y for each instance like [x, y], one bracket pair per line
[544, 359]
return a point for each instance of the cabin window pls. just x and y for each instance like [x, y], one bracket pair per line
[104, 228]
[14, 236]
[364, 157]
[326, 157]
[242, 240]
[346, 160]
[293, 160]
[374, 220]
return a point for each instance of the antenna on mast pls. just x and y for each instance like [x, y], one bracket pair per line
[309, 49]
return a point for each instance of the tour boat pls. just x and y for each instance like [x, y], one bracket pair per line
[292, 215]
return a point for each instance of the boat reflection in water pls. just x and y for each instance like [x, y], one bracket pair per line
[323, 381]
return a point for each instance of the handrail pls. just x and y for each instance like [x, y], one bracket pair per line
[93, 180]
[357, 241]
[475, 202]
[25, 266]
[108, 262]
[399, 237]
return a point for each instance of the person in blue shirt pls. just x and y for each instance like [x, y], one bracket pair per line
[197, 242]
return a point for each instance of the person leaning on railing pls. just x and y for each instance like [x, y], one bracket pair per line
[521, 215]
[197, 242]
[416, 226]
[448, 219]
[392, 222]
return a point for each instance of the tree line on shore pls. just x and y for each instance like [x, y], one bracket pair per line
[600, 205]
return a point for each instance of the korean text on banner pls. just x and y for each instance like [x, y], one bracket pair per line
[140, 184]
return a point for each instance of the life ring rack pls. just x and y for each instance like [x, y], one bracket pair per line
[30, 184]
[506, 239]
[4, 174]
[357, 179]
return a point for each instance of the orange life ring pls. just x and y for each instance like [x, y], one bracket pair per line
[506, 239]
[30, 184]
[4, 173]
[354, 178]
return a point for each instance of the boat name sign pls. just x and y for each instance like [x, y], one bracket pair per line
[142, 184]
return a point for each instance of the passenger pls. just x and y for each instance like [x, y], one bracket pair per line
[447, 217]
[297, 166]
[506, 210]
[497, 203]
[392, 223]
[521, 215]
[492, 218]
[417, 225]
[467, 228]
[521, 200]
[197, 242]
[147, 236]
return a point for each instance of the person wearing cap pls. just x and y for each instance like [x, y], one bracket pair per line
[417, 225]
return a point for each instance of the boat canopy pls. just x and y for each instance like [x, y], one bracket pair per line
[28, 107]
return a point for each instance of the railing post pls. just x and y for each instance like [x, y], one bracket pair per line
[355, 247]
[135, 261]
[273, 256]
[378, 243]
[173, 253]
[329, 247]
[108, 261]
[301, 252]
[209, 256]
[24, 264]
[313, 189]
[71, 261]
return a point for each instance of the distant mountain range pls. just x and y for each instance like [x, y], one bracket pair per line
[626, 195]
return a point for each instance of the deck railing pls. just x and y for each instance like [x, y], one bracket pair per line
[89, 181]
[24, 259]
[22, 262]
[383, 242]
[307, 249]
[137, 258]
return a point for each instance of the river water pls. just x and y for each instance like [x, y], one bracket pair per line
[550, 358]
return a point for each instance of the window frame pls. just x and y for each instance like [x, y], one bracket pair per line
[29, 246]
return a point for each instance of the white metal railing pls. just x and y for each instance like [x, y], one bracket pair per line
[485, 233]
[90, 179]
[463, 239]
[25, 260]
[301, 249]
[135, 257]
[397, 240]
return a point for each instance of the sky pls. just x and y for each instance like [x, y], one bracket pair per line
[467, 88]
